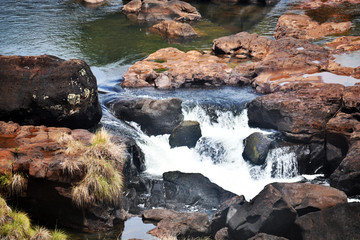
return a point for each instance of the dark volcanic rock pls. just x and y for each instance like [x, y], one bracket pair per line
[347, 176]
[154, 116]
[339, 222]
[257, 146]
[157, 10]
[182, 188]
[186, 134]
[48, 90]
[268, 212]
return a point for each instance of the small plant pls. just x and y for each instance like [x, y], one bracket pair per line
[18, 184]
[160, 70]
[58, 235]
[41, 233]
[17, 228]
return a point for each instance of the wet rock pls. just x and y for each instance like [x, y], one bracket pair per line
[170, 29]
[222, 234]
[301, 113]
[339, 222]
[347, 176]
[180, 187]
[264, 236]
[186, 134]
[94, 1]
[305, 198]
[181, 225]
[157, 10]
[319, 3]
[345, 44]
[48, 90]
[302, 27]
[218, 221]
[243, 43]
[268, 212]
[257, 146]
[154, 116]
[172, 68]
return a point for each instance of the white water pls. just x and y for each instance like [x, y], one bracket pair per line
[218, 155]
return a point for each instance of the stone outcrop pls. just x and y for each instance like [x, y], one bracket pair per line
[256, 148]
[170, 29]
[345, 44]
[186, 134]
[48, 90]
[264, 236]
[154, 116]
[181, 188]
[181, 225]
[36, 152]
[309, 4]
[275, 209]
[158, 10]
[339, 222]
[302, 27]
[172, 68]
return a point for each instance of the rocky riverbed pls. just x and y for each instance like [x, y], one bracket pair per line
[56, 163]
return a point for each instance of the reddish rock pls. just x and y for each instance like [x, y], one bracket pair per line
[302, 27]
[345, 44]
[172, 68]
[264, 236]
[157, 10]
[177, 224]
[48, 90]
[313, 4]
[170, 29]
[347, 176]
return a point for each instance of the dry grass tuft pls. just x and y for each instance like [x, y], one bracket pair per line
[41, 233]
[18, 184]
[103, 160]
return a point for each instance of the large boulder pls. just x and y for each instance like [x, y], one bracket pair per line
[155, 116]
[157, 10]
[347, 176]
[172, 68]
[48, 90]
[181, 225]
[339, 222]
[302, 27]
[186, 134]
[170, 29]
[180, 187]
[257, 146]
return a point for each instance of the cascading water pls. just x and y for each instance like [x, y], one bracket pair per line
[218, 154]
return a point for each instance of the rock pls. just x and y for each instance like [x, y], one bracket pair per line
[242, 43]
[186, 134]
[264, 236]
[36, 152]
[345, 44]
[218, 222]
[301, 113]
[94, 1]
[302, 27]
[339, 222]
[157, 10]
[305, 198]
[319, 3]
[154, 116]
[182, 225]
[268, 213]
[172, 68]
[174, 30]
[222, 234]
[257, 146]
[180, 187]
[347, 176]
[48, 90]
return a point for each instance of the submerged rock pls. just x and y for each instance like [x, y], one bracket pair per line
[339, 222]
[157, 10]
[302, 27]
[186, 134]
[174, 30]
[48, 90]
[257, 146]
[154, 116]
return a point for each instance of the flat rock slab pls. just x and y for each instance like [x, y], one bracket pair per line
[170, 29]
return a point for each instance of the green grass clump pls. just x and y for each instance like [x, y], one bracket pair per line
[58, 235]
[160, 70]
[103, 160]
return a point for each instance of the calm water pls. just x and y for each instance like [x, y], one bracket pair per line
[109, 42]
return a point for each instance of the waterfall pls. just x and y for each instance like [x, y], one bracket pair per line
[218, 154]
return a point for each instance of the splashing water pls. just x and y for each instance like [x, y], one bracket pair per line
[218, 154]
